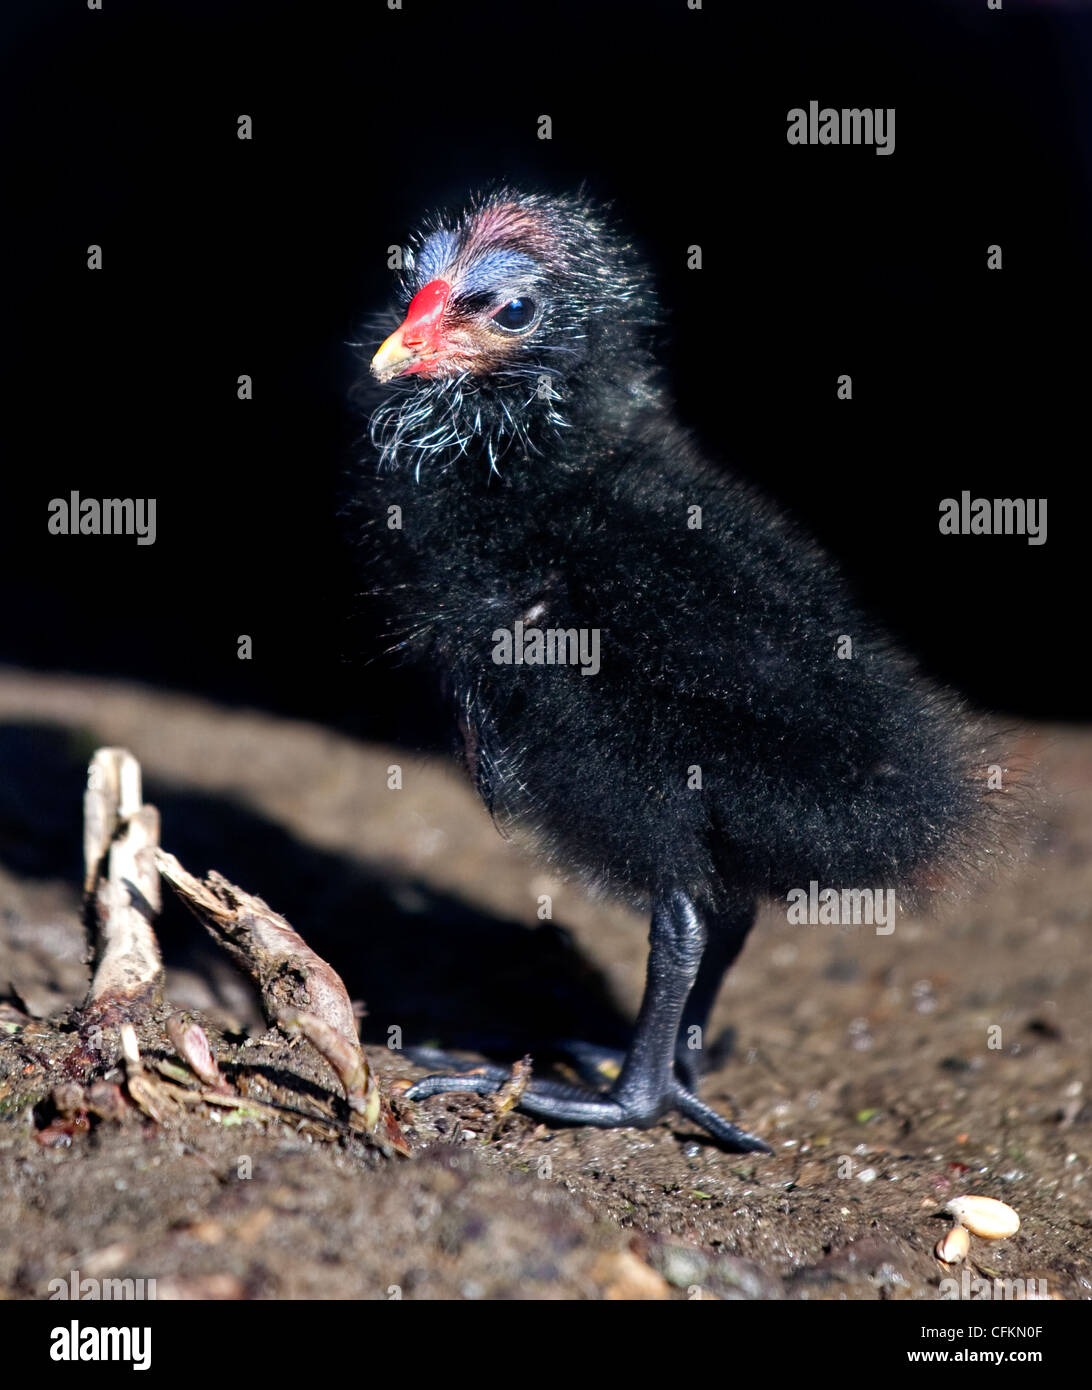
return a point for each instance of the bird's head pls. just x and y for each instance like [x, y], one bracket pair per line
[509, 311]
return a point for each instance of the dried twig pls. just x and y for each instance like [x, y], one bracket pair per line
[145, 1091]
[299, 990]
[507, 1096]
[120, 839]
[160, 1095]
[370, 1111]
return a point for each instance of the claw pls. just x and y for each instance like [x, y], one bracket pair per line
[565, 1104]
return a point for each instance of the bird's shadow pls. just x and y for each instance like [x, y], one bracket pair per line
[422, 961]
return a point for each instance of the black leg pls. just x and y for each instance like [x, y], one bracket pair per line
[676, 946]
[726, 934]
[647, 1086]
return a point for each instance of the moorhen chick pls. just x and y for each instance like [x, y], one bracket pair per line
[651, 669]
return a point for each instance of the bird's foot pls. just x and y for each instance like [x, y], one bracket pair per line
[619, 1107]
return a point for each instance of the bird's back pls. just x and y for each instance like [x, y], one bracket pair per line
[745, 725]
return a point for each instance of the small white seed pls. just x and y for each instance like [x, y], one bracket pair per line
[953, 1247]
[984, 1216]
[129, 1043]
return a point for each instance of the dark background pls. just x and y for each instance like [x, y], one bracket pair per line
[264, 257]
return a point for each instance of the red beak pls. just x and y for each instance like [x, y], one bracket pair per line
[416, 342]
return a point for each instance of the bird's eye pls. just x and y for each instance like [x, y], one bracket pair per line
[517, 316]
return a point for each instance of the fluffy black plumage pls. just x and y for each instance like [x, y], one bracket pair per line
[544, 479]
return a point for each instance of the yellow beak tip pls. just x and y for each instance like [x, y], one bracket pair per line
[392, 358]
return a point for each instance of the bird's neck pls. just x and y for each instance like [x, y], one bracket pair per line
[464, 427]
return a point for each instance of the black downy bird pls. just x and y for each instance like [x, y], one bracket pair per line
[707, 745]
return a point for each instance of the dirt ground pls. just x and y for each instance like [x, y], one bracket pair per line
[889, 1073]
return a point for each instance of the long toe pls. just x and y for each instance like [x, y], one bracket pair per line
[731, 1136]
[546, 1100]
[574, 1105]
[480, 1078]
